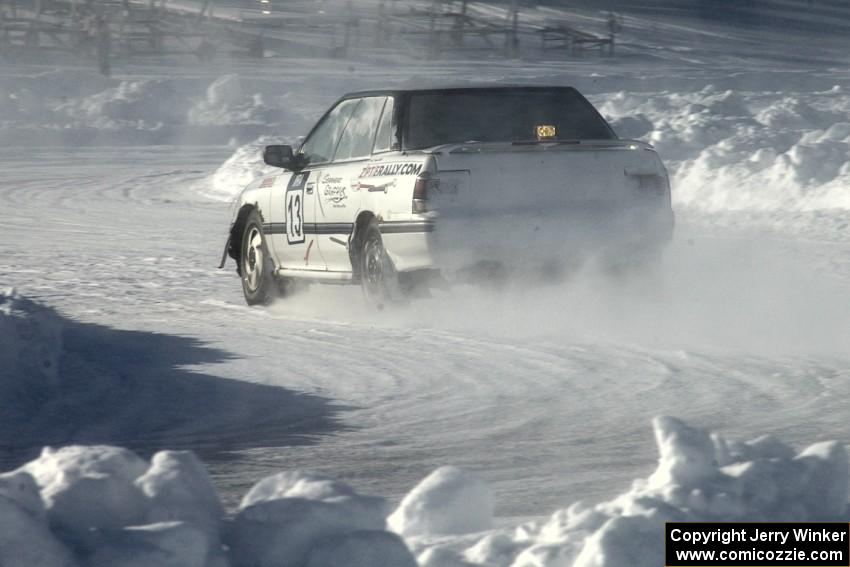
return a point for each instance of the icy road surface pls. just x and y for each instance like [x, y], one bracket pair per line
[545, 392]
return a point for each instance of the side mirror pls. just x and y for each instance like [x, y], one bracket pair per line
[280, 156]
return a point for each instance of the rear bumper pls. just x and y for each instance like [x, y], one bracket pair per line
[530, 240]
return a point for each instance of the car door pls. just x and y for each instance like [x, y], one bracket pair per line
[338, 189]
[293, 206]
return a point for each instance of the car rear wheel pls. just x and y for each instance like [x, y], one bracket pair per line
[256, 267]
[638, 261]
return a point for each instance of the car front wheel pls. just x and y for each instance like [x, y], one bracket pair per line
[256, 265]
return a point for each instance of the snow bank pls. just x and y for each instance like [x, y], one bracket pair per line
[229, 101]
[700, 477]
[726, 150]
[81, 107]
[143, 105]
[744, 150]
[240, 169]
[112, 508]
[761, 150]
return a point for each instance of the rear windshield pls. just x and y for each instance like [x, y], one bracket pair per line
[500, 116]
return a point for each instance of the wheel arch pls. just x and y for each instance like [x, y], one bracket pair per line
[237, 229]
[364, 219]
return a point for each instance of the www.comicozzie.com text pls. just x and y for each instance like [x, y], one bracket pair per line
[755, 534]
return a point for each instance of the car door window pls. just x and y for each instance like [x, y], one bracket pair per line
[356, 140]
[385, 138]
[320, 146]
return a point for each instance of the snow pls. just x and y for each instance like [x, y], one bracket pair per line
[449, 501]
[230, 102]
[170, 544]
[687, 455]
[240, 169]
[363, 548]
[145, 105]
[285, 516]
[83, 107]
[297, 484]
[297, 518]
[25, 538]
[733, 150]
[179, 489]
[123, 333]
[689, 484]
[70, 477]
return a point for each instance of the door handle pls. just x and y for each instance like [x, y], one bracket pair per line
[309, 188]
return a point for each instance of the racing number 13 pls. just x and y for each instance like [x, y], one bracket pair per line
[295, 216]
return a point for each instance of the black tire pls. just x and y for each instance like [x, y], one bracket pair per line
[255, 263]
[378, 278]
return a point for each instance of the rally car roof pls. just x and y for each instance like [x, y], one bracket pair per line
[455, 88]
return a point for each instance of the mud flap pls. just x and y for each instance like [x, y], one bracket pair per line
[224, 254]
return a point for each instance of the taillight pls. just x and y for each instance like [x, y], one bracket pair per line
[653, 184]
[424, 184]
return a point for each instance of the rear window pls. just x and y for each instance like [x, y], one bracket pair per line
[500, 116]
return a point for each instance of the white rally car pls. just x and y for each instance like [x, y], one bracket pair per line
[397, 189]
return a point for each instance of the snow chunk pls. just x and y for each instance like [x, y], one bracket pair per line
[615, 544]
[448, 501]
[686, 454]
[824, 482]
[297, 484]
[226, 89]
[70, 83]
[632, 126]
[229, 102]
[90, 487]
[577, 517]
[365, 548]
[25, 539]
[764, 447]
[148, 104]
[494, 549]
[284, 516]
[311, 486]
[168, 544]
[244, 166]
[442, 557]
[547, 555]
[24, 535]
[179, 488]
[19, 487]
[791, 112]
